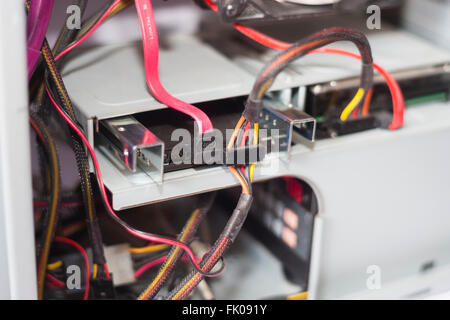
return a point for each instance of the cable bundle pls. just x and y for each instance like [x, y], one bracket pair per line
[299, 49]
[245, 132]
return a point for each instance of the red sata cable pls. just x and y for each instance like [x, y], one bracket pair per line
[398, 101]
[151, 56]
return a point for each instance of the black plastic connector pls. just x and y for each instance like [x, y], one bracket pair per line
[102, 289]
[355, 125]
[252, 110]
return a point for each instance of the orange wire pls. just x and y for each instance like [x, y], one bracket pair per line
[230, 145]
[290, 54]
[241, 180]
[235, 133]
[367, 101]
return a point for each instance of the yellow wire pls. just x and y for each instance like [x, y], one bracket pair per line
[255, 142]
[171, 257]
[94, 271]
[186, 286]
[352, 105]
[42, 263]
[264, 87]
[147, 249]
[298, 296]
[55, 265]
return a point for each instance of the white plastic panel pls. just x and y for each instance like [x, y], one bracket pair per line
[17, 254]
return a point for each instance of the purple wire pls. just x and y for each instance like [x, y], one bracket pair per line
[37, 24]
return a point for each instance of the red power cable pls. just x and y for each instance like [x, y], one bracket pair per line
[85, 258]
[151, 54]
[398, 101]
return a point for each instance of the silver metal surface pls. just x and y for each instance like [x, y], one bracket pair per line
[291, 123]
[134, 145]
[17, 250]
[109, 81]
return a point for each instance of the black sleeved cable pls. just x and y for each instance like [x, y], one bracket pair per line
[189, 230]
[300, 48]
[209, 261]
[237, 219]
[80, 155]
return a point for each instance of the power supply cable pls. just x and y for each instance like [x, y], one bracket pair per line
[172, 258]
[81, 159]
[229, 233]
[175, 253]
[299, 49]
[148, 249]
[44, 249]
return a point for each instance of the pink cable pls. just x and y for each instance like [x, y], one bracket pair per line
[149, 265]
[102, 189]
[81, 40]
[151, 54]
[154, 263]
